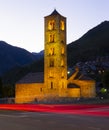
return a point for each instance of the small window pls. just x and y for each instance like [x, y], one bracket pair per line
[62, 26]
[62, 62]
[51, 25]
[51, 74]
[62, 41]
[40, 89]
[51, 51]
[63, 50]
[51, 62]
[51, 37]
[51, 85]
[62, 75]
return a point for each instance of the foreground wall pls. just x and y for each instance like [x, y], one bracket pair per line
[28, 92]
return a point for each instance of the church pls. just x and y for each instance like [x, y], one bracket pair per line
[54, 82]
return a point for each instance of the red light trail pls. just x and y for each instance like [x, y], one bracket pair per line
[80, 109]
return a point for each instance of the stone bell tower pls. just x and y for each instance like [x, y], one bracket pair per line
[55, 55]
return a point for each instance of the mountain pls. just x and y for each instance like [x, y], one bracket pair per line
[93, 44]
[40, 54]
[11, 57]
[15, 74]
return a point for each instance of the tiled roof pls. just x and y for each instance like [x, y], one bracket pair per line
[32, 78]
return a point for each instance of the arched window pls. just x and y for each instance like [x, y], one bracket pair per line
[62, 75]
[62, 41]
[51, 85]
[51, 25]
[51, 73]
[51, 62]
[40, 89]
[51, 51]
[62, 62]
[62, 26]
[63, 50]
[51, 37]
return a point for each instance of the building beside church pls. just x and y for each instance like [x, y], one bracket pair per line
[54, 82]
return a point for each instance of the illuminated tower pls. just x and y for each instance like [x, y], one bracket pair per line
[55, 55]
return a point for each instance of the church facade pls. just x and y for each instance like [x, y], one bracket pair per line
[54, 81]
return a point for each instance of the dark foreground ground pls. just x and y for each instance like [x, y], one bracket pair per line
[20, 120]
[78, 115]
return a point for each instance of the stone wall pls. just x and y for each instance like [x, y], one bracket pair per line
[87, 88]
[73, 92]
[28, 92]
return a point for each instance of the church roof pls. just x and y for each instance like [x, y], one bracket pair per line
[72, 85]
[37, 77]
[84, 77]
[79, 76]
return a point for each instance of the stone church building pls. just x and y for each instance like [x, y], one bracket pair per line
[54, 82]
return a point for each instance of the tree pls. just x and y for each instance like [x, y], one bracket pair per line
[8, 90]
[1, 87]
[105, 79]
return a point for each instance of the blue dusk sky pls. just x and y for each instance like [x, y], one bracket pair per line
[22, 21]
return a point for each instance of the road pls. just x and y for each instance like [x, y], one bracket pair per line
[14, 120]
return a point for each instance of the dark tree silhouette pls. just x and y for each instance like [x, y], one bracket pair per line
[105, 79]
[1, 87]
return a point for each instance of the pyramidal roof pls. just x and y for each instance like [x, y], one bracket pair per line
[55, 12]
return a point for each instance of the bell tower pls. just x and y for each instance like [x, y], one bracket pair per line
[55, 55]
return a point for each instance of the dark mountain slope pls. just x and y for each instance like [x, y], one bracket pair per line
[15, 74]
[11, 56]
[93, 44]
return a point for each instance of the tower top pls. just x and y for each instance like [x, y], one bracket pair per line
[54, 13]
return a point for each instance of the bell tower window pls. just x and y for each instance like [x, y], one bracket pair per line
[62, 26]
[51, 51]
[62, 62]
[62, 51]
[51, 38]
[51, 62]
[51, 25]
[51, 74]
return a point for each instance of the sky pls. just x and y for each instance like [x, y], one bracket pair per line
[22, 21]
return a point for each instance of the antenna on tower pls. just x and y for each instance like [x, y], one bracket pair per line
[54, 8]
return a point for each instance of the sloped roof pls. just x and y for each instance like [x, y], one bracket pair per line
[84, 77]
[79, 76]
[55, 12]
[32, 78]
[72, 85]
